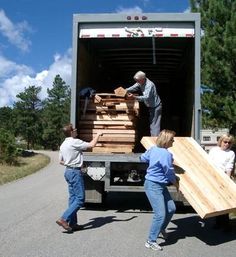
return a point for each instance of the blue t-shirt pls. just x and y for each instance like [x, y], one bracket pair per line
[160, 168]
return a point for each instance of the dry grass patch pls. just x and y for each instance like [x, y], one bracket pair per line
[25, 166]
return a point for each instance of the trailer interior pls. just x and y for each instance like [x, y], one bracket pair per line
[107, 63]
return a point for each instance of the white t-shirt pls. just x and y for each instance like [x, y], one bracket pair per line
[71, 151]
[223, 159]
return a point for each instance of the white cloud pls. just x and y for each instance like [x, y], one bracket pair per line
[9, 68]
[188, 10]
[14, 32]
[131, 10]
[22, 77]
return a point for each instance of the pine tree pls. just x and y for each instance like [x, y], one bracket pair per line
[56, 113]
[218, 61]
[27, 112]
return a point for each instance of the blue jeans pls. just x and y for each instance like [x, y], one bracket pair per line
[162, 205]
[75, 181]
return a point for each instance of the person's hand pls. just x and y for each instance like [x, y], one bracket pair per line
[176, 184]
[130, 96]
[99, 133]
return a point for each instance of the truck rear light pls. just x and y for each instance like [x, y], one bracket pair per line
[128, 18]
[144, 18]
[136, 18]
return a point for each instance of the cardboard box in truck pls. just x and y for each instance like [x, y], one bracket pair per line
[108, 49]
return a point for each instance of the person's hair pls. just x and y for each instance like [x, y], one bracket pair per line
[164, 138]
[139, 75]
[67, 129]
[228, 137]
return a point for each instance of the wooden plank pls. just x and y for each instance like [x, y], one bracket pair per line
[119, 105]
[102, 126]
[207, 189]
[108, 131]
[112, 150]
[115, 144]
[107, 138]
[120, 91]
[107, 116]
[106, 122]
[97, 99]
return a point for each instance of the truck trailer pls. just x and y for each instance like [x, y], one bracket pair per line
[107, 50]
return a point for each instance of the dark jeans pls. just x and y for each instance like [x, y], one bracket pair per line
[155, 120]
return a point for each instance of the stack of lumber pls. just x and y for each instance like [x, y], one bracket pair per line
[115, 117]
[210, 191]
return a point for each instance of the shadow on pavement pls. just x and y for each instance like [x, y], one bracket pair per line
[101, 221]
[194, 226]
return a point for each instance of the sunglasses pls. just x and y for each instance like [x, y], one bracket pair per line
[227, 142]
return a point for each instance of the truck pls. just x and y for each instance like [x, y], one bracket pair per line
[107, 50]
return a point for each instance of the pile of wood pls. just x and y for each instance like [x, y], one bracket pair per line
[115, 116]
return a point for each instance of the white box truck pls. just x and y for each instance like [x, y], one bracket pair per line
[108, 49]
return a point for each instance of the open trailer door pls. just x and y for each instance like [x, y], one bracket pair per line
[209, 191]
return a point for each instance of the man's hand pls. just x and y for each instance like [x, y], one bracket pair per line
[130, 96]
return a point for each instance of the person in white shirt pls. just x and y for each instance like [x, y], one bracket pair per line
[224, 158]
[71, 156]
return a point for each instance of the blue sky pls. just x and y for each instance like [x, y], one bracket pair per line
[36, 38]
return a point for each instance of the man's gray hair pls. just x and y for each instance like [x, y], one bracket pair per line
[139, 75]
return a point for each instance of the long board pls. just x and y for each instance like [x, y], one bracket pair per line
[207, 189]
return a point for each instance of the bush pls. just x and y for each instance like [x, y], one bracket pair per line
[8, 149]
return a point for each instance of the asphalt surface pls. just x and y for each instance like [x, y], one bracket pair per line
[29, 208]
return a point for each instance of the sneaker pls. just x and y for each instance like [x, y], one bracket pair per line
[164, 234]
[153, 245]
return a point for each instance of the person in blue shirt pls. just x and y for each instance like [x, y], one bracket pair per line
[150, 98]
[160, 173]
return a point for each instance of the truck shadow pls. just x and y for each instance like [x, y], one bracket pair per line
[204, 230]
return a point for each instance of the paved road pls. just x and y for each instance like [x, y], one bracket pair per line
[30, 206]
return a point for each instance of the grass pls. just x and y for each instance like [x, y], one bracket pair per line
[25, 166]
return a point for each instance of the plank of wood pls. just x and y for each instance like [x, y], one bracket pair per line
[113, 132]
[107, 138]
[207, 189]
[120, 91]
[112, 150]
[106, 122]
[107, 116]
[97, 99]
[117, 104]
[103, 126]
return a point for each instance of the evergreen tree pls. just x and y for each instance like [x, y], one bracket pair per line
[218, 61]
[56, 113]
[8, 149]
[6, 119]
[27, 111]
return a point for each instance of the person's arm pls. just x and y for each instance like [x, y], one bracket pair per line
[133, 88]
[145, 157]
[94, 141]
[167, 164]
[230, 165]
[61, 161]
